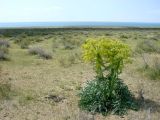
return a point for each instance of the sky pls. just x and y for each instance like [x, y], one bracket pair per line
[80, 10]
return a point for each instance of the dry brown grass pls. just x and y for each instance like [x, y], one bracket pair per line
[36, 79]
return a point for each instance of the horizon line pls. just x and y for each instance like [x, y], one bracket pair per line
[78, 21]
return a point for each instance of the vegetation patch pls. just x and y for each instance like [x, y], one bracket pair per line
[4, 45]
[148, 46]
[24, 41]
[55, 98]
[151, 67]
[5, 91]
[26, 97]
[107, 93]
[67, 59]
[40, 52]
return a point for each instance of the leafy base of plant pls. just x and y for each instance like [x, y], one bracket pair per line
[95, 97]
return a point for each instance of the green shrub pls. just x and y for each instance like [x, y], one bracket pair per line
[106, 94]
[95, 97]
[40, 52]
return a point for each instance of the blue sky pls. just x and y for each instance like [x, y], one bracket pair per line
[79, 10]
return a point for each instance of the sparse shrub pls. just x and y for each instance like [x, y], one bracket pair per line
[24, 44]
[40, 52]
[4, 50]
[152, 68]
[62, 61]
[71, 58]
[4, 43]
[35, 50]
[148, 47]
[124, 36]
[67, 60]
[24, 41]
[106, 94]
[68, 46]
[108, 34]
[45, 55]
[3, 55]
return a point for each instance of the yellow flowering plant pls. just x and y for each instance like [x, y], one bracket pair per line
[106, 54]
[108, 93]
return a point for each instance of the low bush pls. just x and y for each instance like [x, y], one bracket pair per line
[67, 60]
[151, 68]
[24, 44]
[124, 36]
[40, 52]
[4, 43]
[148, 47]
[3, 55]
[4, 50]
[24, 41]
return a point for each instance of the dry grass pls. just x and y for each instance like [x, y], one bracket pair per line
[151, 66]
[40, 52]
[36, 79]
[4, 45]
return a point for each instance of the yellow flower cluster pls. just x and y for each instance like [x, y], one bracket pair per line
[110, 51]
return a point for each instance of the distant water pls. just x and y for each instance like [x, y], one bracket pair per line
[78, 24]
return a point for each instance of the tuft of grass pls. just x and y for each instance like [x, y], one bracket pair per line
[148, 47]
[5, 91]
[40, 52]
[26, 98]
[153, 71]
[4, 50]
[151, 67]
[66, 60]
[5, 88]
